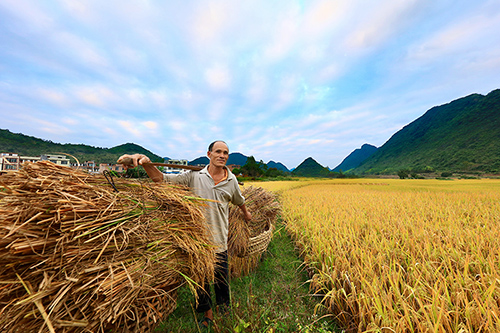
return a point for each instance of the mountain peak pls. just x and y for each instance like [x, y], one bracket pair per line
[310, 168]
[355, 158]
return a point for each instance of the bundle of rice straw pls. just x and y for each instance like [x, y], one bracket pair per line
[243, 236]
[76, 256]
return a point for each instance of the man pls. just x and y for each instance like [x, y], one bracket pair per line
[215, 182]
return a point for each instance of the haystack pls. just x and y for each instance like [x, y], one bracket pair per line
[248, 240]
[77, 256]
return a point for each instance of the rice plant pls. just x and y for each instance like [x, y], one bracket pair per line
[401, 255]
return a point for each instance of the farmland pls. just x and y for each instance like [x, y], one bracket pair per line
[400, 255]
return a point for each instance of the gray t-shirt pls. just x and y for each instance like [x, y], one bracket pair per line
[217, 213]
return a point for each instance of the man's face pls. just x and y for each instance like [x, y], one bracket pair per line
[219, 154]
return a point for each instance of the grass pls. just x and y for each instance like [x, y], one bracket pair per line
[273, 298]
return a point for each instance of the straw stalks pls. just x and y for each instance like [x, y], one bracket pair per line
[242, 236]
[77, 256]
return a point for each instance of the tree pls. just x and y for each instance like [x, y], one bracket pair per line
[252, 168]
[403, 173]
[273, 173]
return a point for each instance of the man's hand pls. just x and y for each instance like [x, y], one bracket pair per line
[246, 214]
[137, 159]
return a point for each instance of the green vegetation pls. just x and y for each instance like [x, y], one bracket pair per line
[273, 298]
[311, 168]
[30, 146]
[461, 136]
[258, 170]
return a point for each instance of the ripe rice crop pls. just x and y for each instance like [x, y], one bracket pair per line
[401, 255]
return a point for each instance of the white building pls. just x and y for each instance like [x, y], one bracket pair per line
[57, 159]
[170, 170]
[9, 161]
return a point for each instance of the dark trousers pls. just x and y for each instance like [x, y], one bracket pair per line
[221, 286]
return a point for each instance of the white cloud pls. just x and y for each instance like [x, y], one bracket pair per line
[378, 23]
[80, 48]
[324, 17]
[462, 36]
[31, 16]
[152, 125]
[160, 98]
[96, 96]
[218, 77]
[210, 21]
[177, 125]
[55, 97]
[130, 127]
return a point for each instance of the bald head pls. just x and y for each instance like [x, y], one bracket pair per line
[211, 146]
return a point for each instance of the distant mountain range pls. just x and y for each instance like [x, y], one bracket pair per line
[239, 159]
[461, 136]
[234, 158]
[30, 146]
[354, 159]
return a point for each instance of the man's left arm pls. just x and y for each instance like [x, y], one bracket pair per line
[239, 200]
[246, 213]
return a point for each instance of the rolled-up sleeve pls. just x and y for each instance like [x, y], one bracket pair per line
[238, 199]
[185, 178]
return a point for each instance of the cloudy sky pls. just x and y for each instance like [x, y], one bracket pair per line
[280, 80]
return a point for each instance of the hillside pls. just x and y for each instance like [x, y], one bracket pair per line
[200, 161]
[355, 158]
[278, 165]
[310, 168]
[461, 136]
[237, 158]
[30, 146]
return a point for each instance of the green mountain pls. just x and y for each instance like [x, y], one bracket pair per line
[25, 145]
[355, 158]
[310, 168]
[461, 136]
[203, 160]
[278, 165]
[237, 158]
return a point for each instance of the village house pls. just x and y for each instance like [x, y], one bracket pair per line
[171, 170]
[13, 162]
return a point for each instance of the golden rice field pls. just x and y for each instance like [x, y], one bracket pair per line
[400, 255]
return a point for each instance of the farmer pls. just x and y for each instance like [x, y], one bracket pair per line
[215, 182]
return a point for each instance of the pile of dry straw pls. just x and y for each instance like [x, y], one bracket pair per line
[77, 256]
[247, 241]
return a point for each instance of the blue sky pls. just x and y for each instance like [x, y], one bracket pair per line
[279, 80]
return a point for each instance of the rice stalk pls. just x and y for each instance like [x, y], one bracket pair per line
[78, 257]
[264, 207]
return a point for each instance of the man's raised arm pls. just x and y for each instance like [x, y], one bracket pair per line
[132, 161]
